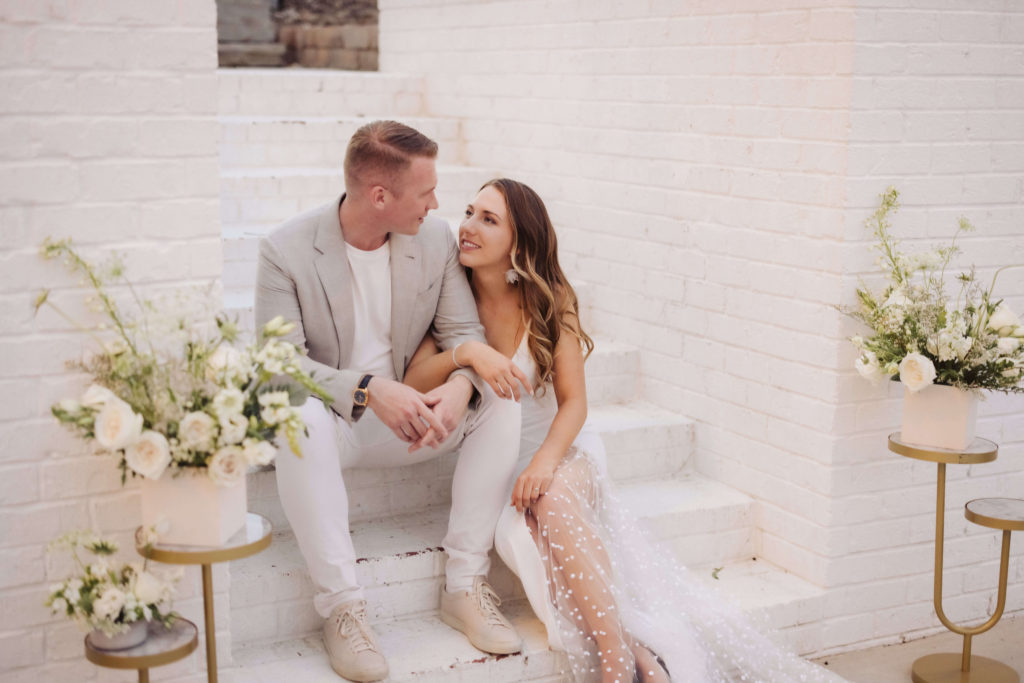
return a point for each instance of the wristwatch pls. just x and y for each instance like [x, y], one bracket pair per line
[361, 395]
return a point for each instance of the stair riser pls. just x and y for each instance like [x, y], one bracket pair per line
[406, 585]
[243, 202]
[375, 493]
[296, 142]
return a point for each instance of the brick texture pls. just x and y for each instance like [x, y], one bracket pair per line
[109, 137]
[709, 166]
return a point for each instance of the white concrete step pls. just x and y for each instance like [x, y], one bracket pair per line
[423, 649]
[317, 92]
[273, 195]
[272, 141]
[401, 563]
[642, 442]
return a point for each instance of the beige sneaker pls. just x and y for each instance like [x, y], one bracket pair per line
[475, 613]
[351, 644]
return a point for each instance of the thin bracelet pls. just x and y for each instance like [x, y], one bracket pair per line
[457, 364]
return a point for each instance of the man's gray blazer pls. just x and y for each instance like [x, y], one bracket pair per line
[304, 276]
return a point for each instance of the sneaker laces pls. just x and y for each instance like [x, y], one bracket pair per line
[353, 628]
[488, 602]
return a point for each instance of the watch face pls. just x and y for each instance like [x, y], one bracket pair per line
[359, 397]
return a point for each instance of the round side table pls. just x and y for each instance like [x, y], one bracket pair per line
[955, 667]
[162, 646]
[250, 539]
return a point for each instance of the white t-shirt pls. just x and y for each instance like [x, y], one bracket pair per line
[371, 303]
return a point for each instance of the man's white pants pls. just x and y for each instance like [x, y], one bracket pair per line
[312, 489]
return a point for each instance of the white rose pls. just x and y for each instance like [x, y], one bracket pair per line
[117, 425]
[228, 402]
[916, 372]
[109, 604]
[1007, 345]
[259, 452]
[226, 361]
[227, 466]
[150, 455]
[97, 396]
[867, 366]
[232, 429]
[1003, 321]
[149, 590]
[197, 431]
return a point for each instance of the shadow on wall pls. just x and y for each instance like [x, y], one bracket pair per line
[324, 34]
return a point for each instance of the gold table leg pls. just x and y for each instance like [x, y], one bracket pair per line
[211, 638]
[962, 668]
[143, 675]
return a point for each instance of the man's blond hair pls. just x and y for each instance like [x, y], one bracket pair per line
[379, 151]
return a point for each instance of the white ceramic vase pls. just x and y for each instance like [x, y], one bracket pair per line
[196, 510]
[939, 416]
[135, 635]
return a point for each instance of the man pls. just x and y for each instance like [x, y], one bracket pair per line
[365, 277]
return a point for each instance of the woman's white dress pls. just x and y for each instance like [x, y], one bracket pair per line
[635, 590]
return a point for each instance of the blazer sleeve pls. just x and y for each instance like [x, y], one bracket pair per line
[276, 294]
[456, 319]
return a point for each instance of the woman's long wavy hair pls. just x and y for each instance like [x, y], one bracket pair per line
[549, 303]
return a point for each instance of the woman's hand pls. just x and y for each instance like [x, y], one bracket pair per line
[495, 368]
[533, 483]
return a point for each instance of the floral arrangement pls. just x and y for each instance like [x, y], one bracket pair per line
[108, 594]
[919, 335]
[164, 397]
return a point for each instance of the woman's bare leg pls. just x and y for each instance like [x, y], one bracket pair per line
[578, 566]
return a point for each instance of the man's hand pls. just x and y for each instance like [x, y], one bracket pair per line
[407, 412]
[449, 402]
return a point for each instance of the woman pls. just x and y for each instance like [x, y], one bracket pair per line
[605, 596]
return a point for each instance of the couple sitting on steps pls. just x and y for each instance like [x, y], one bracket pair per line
[430, 346]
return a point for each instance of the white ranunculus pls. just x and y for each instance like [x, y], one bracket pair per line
[224, 361]
[1003, 321]
[109, 604]
[258, 452]
[150, 455]
[69, 405]
[227, 466]
[277, 327]
[916, 372]
[228, 402]
[149, 590]
[233, 428]
[867, 366]
[1007, 345]
[97, 396]
[117, 425]
[197, 431]
[897, 298]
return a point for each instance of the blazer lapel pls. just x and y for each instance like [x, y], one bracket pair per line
[405, 279]
[336, 278]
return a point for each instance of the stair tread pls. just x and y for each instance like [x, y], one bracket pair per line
[292, 171]
[419, 534]
[423, 646]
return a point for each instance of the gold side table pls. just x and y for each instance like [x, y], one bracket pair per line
[956, 667]
[162, 646]
[250, 539]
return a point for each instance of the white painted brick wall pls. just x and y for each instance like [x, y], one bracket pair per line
[108, 135]
[710, 166]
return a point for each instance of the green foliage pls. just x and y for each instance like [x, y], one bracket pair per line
[972, 342]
